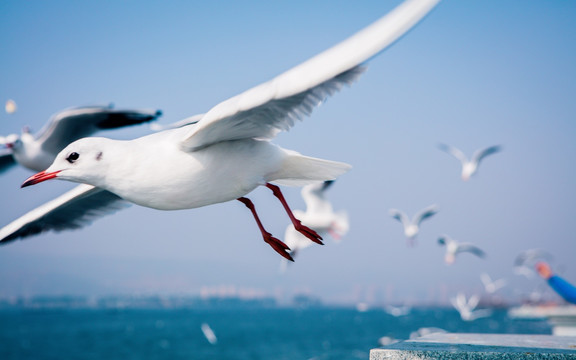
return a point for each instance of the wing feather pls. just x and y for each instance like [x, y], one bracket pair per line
[72, 210]
[271, 107]
[72, 124]
[425, 214]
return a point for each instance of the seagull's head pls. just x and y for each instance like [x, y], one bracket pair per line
[83, 161]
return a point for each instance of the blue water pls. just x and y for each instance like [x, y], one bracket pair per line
[323, 334]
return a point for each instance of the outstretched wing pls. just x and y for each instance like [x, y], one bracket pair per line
[271, 107]
[72, 124]
[400, 216]
[466, 247]
[425, 214]
[481, 154]
[75, 209]
[454, 152]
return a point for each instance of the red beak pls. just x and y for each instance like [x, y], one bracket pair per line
[41, 176]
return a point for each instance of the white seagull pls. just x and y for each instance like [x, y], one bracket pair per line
[226, 154]
[411, 228]
[37, 152]
[454, 248]
[491, 286]
[319, 216]
[469, 167]
[466, 307]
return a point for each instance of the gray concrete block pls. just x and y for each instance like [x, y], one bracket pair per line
[480, 347]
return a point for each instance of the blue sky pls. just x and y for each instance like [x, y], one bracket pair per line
[472, 74]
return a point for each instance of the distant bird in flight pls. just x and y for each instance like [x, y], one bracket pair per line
[10, 107]
[526, 260]
[469, 167]
[225, 155]
[454, 248]
[319, 216]
[412, 228]
[37, 152]
[491, 286]
[467, 307]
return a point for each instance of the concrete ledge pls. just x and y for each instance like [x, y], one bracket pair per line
[479, 346]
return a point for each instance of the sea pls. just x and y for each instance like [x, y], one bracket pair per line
[291, 333]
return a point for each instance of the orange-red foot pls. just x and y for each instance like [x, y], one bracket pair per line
[278, 246]
[309, 233]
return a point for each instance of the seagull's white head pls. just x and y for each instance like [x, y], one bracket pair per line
[83, 161]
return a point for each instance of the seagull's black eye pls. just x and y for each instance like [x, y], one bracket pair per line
[72, 157]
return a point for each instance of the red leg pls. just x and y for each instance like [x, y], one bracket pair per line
[276, 244]
[304, 230]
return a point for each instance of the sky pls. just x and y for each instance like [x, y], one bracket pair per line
[472, 74]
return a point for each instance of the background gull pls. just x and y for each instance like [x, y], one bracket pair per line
[319, 215]
[412, 228]
[469, 167]
[454, 248]
[37, 152]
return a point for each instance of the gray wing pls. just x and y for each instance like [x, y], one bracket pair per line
[72, 210]
[425, 214]
[72, 124]
[264, 110]
[454, 152]
[481, 154]
[400, 216]
[466, 247]
[6, 160]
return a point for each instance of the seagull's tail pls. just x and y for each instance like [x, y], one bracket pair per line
[300, 170]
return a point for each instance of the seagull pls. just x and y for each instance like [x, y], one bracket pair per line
[526, 260]
[225, 155]
[411, 228]
[469, 167]
[491, 286]
[10, 106]
[319, 216]
[37, 152]
[454, 247]
[209, 333]
[466, 307]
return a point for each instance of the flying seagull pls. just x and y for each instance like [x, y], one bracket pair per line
[228, 153]
[319, 216]
[411, 228]
[454, 248]
[469, 167]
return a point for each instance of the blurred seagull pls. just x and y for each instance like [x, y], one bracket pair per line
[209, 333]
[526, 260]
[411, 228]
[226, 154]
[397, 311]
[469, 167]
[319, 216]
[10, 107]
[454, 248]
[466, 307]
[491, 286]
[37, 152]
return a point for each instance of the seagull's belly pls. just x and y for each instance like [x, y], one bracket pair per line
[219, 173]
